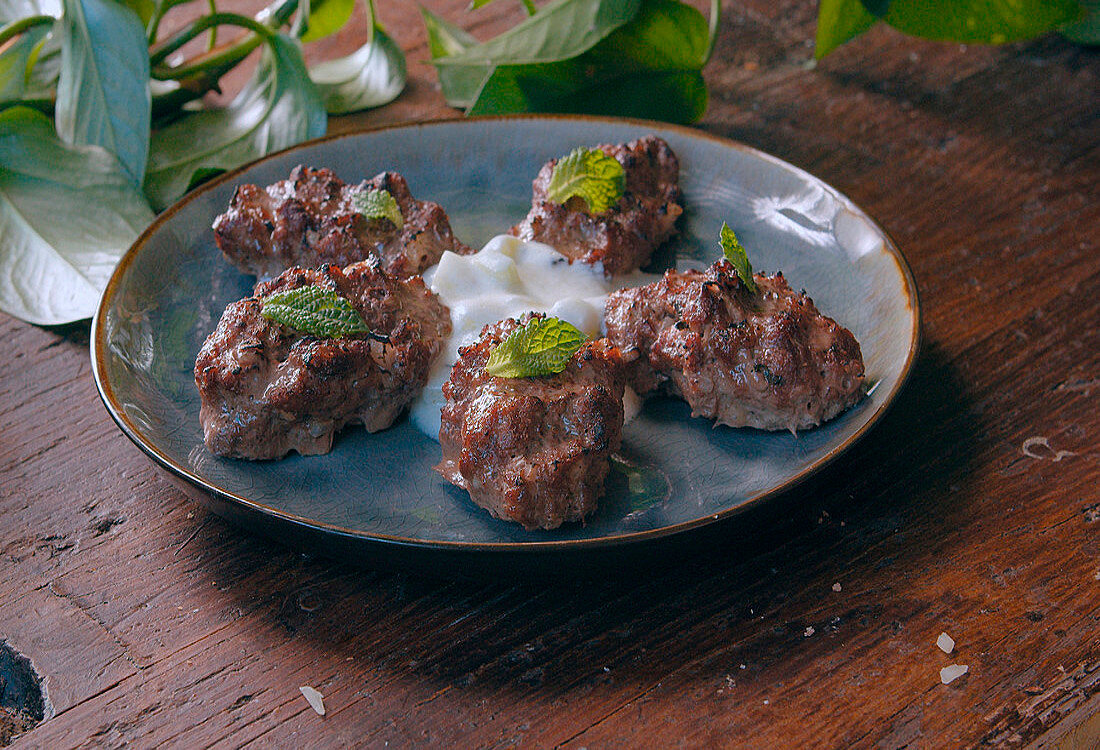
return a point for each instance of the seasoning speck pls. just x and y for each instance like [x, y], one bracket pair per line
[837, 587]
[316, 700]
[946, 643]
[809, 631]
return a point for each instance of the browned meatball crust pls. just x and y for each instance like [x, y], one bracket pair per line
[310, 219]
[624, 237]
[767, 360]
[268, 389]
[532, 450]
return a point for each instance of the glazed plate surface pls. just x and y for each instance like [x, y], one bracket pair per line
[379, 490]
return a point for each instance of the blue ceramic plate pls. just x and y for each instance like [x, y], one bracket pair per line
[171, 287]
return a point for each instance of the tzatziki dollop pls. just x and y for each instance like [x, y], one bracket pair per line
[505, 279]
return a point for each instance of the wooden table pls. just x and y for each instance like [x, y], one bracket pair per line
[155, 623]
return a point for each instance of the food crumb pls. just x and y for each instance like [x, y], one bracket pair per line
[952, 672]
[809, 631]
[946, 643]
[315, 699]
[837, 587]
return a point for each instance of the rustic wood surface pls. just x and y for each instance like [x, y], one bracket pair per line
[155, 623]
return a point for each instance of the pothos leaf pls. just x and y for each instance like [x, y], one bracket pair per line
[13, 10]
[103, 93]
[1087, 30]
[839, 21]
[543, 346]
[16, 61]
[201, 175]
[445, 39]
[53, 271]
[737, 256]
[559, 31]
[143, 8]
[315, 310]
[590, 174]
[975, 21]
[649, 67]
[528, 5]
[371, 76]
[327, 17]
[278, 108]
[378, 204]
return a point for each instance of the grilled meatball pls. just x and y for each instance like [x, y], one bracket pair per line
[767, 360]
[624, 237]
[310, 219]
[268, 389]
[532, 450]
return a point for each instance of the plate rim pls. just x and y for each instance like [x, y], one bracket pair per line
[98, 346]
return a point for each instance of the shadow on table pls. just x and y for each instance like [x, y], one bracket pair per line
[750, 586]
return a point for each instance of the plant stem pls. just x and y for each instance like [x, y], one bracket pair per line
[197, 27]
[201, 73]
[212, 4]
[15, 28]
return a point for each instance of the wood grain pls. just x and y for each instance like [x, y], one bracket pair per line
[158, 624]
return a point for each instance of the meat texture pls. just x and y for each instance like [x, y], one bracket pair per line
[533, 450]
[310, 219]
[768, 360]
[268, 389]
[624, 237]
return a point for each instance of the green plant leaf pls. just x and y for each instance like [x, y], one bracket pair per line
[315, 310]
[1087, 30]
[976, 21]
[543, 346]
[839, 21]
[560, 31]
[649, 67]
[737, 256]
[445, 39]
[144, 9]
[16, 62]
[528, 5]
[203, 174]
[327, 17]
[66, 216]
[371, 76]
[378, 204]
[13, 10]
[590, 174]
[278, 108]
[103, 91]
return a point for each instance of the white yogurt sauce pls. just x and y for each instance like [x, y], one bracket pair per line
[505, 279]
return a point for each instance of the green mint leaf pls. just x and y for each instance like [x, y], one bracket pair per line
[378, 204]
[542, 347]
[590, 174]
[314, 310]
[736, 255]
